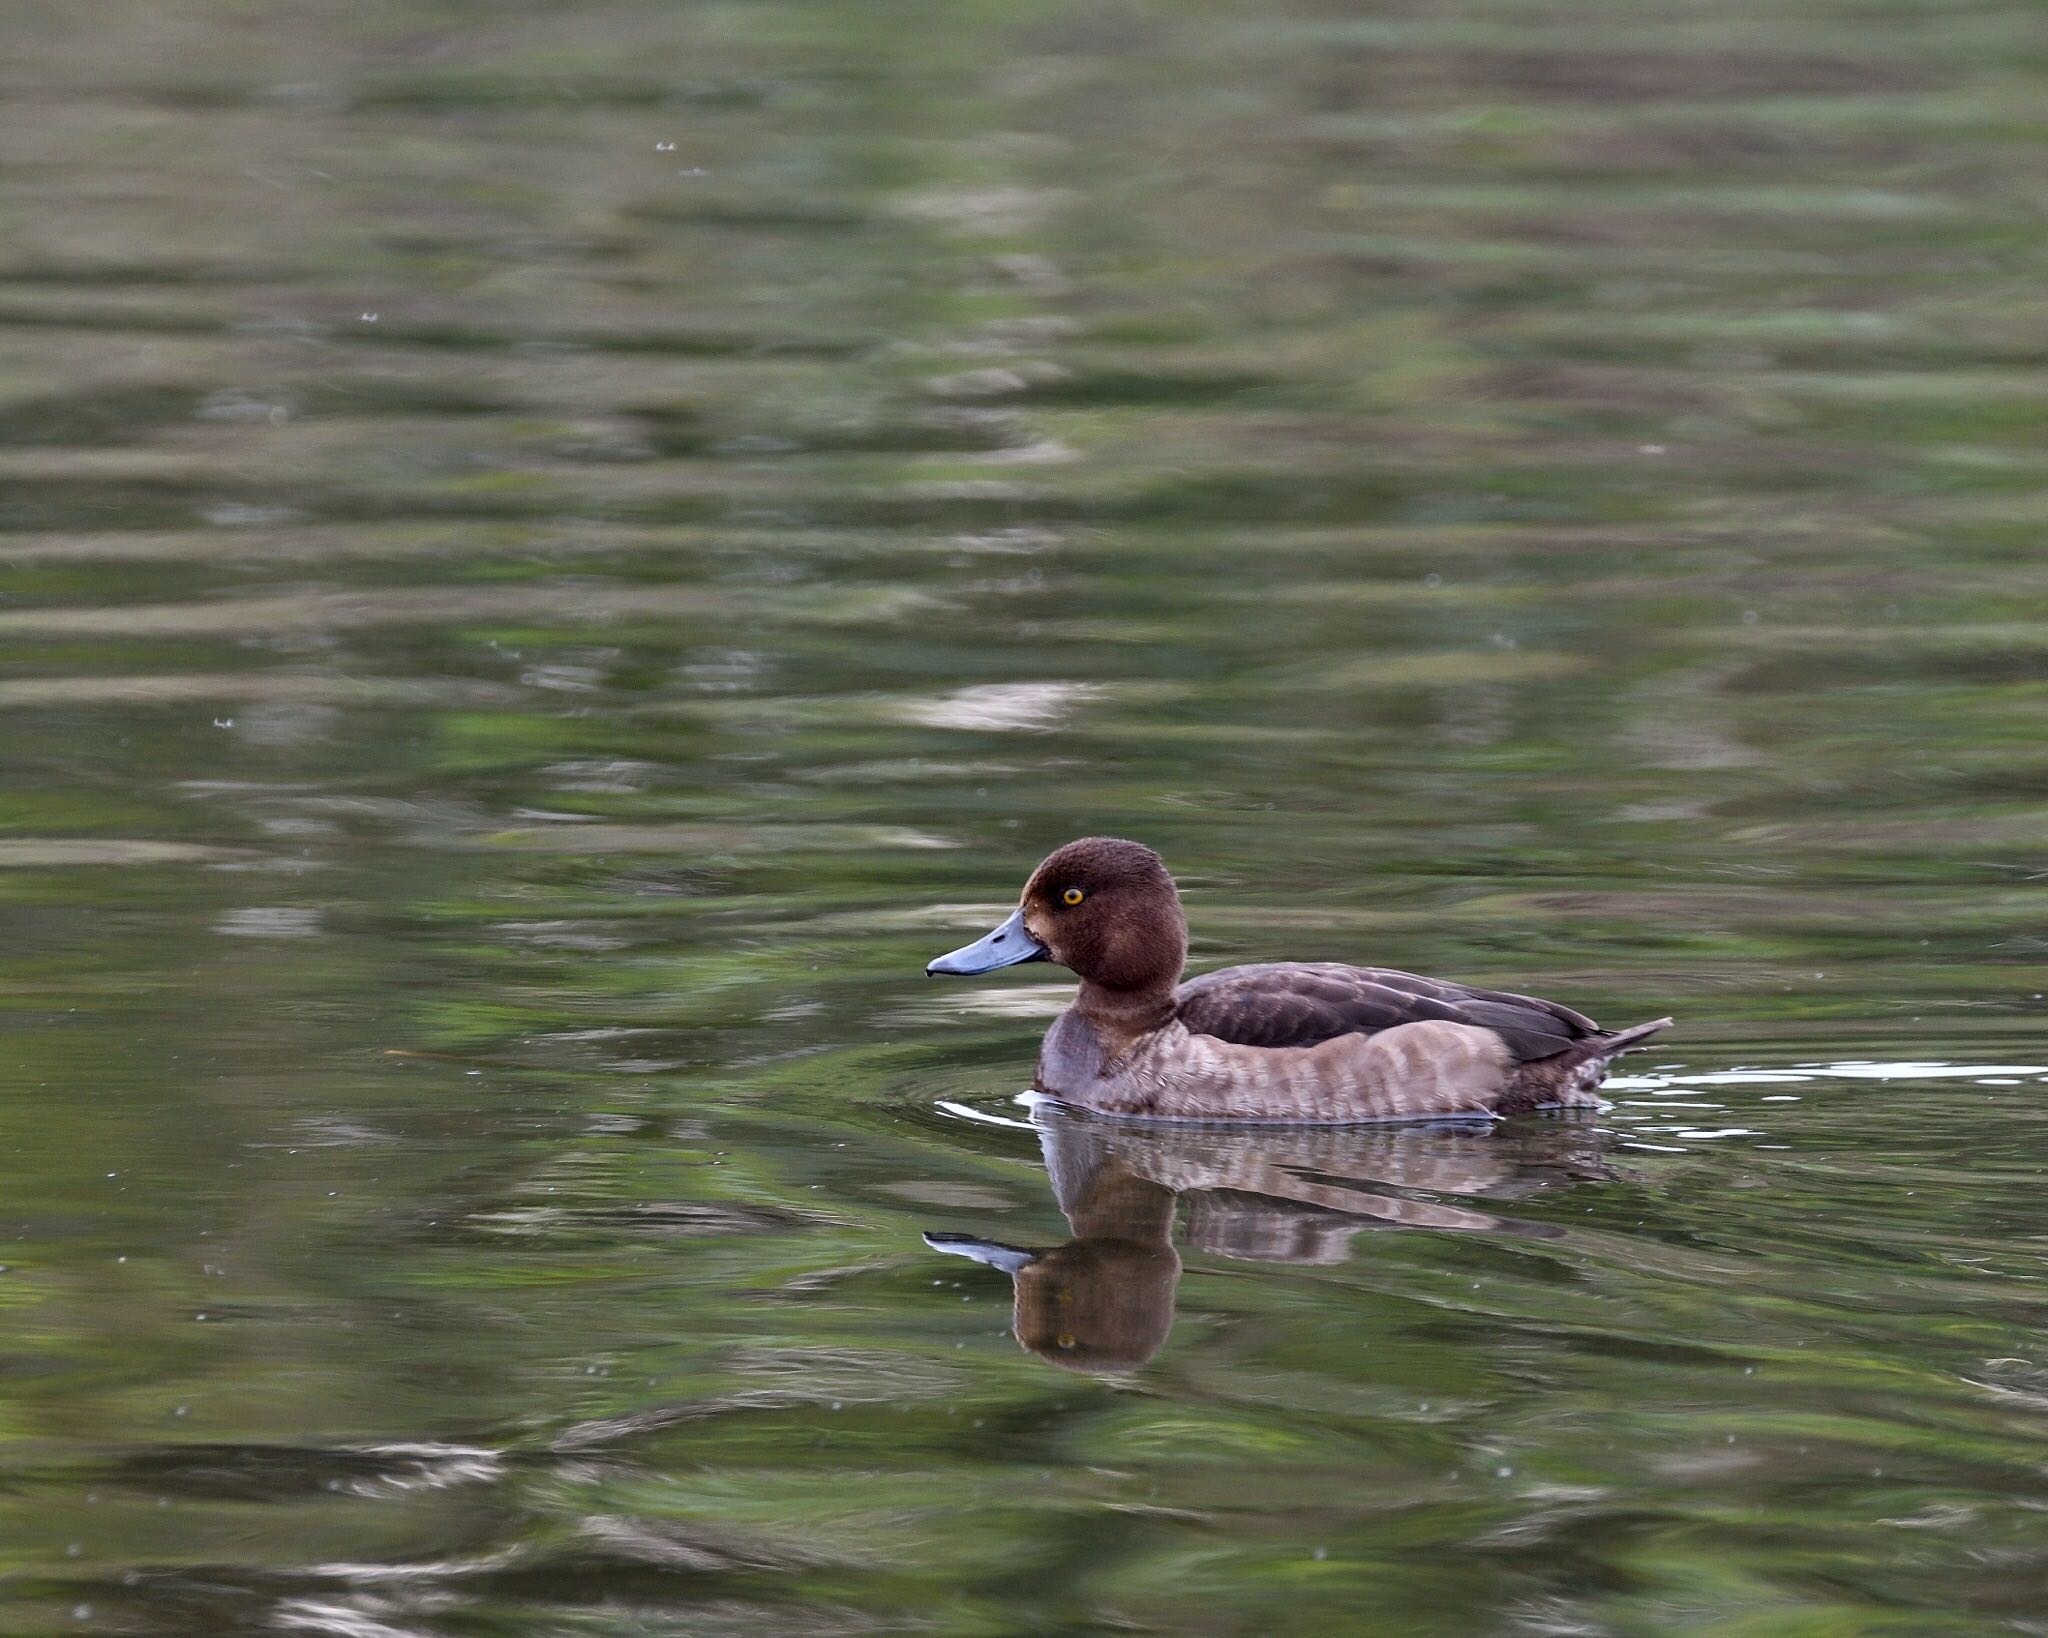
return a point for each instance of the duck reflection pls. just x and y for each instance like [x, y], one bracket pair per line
[1103, 1301]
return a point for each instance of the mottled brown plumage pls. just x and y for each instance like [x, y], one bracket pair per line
[1301, 1003]
[1301, 1041]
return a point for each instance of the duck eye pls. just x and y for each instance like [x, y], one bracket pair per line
[1073, 895]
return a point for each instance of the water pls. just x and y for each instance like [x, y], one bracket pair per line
[550, 557]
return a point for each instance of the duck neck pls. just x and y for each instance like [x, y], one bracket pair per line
[1124, 1014]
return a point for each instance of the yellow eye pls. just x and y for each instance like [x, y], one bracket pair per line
[1073, 895]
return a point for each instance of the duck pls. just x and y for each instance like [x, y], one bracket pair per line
[1279, 1042]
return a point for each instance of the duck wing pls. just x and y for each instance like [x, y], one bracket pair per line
[1298, 1004]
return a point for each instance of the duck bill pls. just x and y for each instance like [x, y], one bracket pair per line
[1006, 946]
[1012, 1260]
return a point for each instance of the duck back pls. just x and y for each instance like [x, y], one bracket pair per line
[1300, 1003]
[1328, 1043]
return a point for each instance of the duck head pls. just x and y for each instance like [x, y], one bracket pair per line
[1102, 907]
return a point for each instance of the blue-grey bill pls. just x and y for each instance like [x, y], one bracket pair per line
[1010, 1259]
[1004, 947]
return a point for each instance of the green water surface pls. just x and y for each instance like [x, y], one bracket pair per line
[551, 555]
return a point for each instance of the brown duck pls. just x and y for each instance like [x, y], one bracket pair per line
[1281, 1041]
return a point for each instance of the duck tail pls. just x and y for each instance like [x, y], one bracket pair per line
[1625, 1040]
[1573, 1076]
